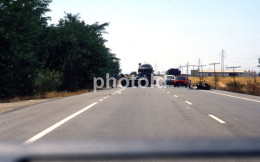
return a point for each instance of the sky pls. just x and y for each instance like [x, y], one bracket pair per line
[170, 33]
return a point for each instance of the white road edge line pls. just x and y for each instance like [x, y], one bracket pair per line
[101, 100]
[233, 96]
[51, 128]
[175, 95]
[217, 119]
[188, 102]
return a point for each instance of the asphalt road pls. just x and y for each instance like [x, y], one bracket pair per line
[135, 113]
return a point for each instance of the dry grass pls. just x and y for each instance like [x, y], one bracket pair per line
[46, 95]
[250, 85]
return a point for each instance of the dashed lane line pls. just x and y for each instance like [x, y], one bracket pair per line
[188, 102]
[217, 119]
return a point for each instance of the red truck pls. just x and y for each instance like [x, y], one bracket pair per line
[182, 81]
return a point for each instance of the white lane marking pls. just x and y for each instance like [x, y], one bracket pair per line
[51, 128]
[175, 96]
[232, 96]
[217, 119]
[168, 92]
[188, 102]
[120, 90]
[105, 97]
[101, 100]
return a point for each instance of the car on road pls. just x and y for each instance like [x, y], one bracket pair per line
[181, 81]
[169, 79]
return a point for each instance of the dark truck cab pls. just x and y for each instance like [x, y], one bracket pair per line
[174, 72]
[146, 71]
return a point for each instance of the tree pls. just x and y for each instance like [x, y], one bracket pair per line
[33, 53]
[78, 51]
[21, 23]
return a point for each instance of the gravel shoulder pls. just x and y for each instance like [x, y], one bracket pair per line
[5, 107]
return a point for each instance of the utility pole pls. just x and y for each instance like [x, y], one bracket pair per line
[234, 67]
[182, 69]
[187, 66]
[193, 68]
[259, 68]
[214, 64]
[200, 66]
[223, 55]
[258, 65]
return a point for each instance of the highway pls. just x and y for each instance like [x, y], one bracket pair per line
[135, 113]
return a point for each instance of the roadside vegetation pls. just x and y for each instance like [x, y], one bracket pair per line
[36, 58]
[247, 85]
[46, 95]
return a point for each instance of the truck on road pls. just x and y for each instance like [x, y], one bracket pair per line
[174, 72]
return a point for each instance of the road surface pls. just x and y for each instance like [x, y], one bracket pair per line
[135, 113]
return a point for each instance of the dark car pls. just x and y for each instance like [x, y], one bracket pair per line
[181, 81]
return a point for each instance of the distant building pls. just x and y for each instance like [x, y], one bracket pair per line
[243, 73]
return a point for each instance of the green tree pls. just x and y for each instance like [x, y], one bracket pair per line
[21, 23]
[78, 51]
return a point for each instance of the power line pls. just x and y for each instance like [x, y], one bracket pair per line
[187, 66]
[181, 68]
[200, 66]
[234, 67]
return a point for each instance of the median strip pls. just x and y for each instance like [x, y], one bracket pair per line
[217, 119]
[51, 128]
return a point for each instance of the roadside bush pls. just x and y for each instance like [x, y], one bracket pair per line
[253, 88]
[47, 81]
[235, 87]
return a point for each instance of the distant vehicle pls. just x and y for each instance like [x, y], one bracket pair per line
[145, 70]
[169, 79]
[174, 72]
[182, 81]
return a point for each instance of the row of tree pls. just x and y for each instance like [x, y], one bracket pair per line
[36, 57]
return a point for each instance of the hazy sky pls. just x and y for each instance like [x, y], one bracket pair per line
[171, 33]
